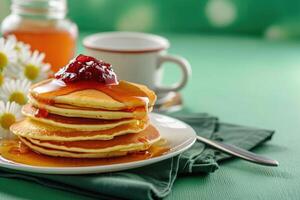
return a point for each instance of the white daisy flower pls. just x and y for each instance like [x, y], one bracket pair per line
[10, 113]
[12, 72]
[8, 54]
[15, 91]
[19, 45]
[33, 68]
[24, 55]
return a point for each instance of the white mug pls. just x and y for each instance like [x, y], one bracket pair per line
[137, 57]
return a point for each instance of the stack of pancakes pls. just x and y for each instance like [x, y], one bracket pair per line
[87, 123]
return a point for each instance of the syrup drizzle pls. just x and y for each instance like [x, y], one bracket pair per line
[128, 94]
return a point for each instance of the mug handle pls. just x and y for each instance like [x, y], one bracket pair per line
[185, 69]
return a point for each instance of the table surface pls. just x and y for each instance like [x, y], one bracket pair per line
[241, 80]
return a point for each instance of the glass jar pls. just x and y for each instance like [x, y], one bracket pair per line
[42, 24]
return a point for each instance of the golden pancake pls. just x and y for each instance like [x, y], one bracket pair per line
[121, 143]
[91, 94]
[36, 130]
[83, 150]
[76, 123]
[58, 153]
[73, 111]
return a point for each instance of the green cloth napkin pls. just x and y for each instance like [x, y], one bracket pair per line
[156, 180]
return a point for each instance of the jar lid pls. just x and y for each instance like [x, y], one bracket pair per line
[46, 8]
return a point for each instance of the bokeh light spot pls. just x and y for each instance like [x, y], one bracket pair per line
[220, 13]
[138, 18]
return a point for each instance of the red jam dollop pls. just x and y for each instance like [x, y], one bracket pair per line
[87, 68]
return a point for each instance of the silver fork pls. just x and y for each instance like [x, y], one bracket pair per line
[238, 152]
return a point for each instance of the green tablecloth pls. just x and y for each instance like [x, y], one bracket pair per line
[241, 80]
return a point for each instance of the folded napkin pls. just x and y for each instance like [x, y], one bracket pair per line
[156, 180]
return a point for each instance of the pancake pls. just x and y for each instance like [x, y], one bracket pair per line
[58, 153]
[73, 111]
[36, 130]
[76, 123]
[124, 95]
[137, 141]
[95, 149]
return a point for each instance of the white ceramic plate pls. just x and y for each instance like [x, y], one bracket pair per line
[179, 135]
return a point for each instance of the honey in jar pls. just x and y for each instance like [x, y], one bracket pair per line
[42, 24]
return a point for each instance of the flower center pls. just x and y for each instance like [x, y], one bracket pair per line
[18, 97]
[3, 60]
[6, 120]
[17, 48]
[31, 72]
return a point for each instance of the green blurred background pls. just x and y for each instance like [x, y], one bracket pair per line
[275, 19]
